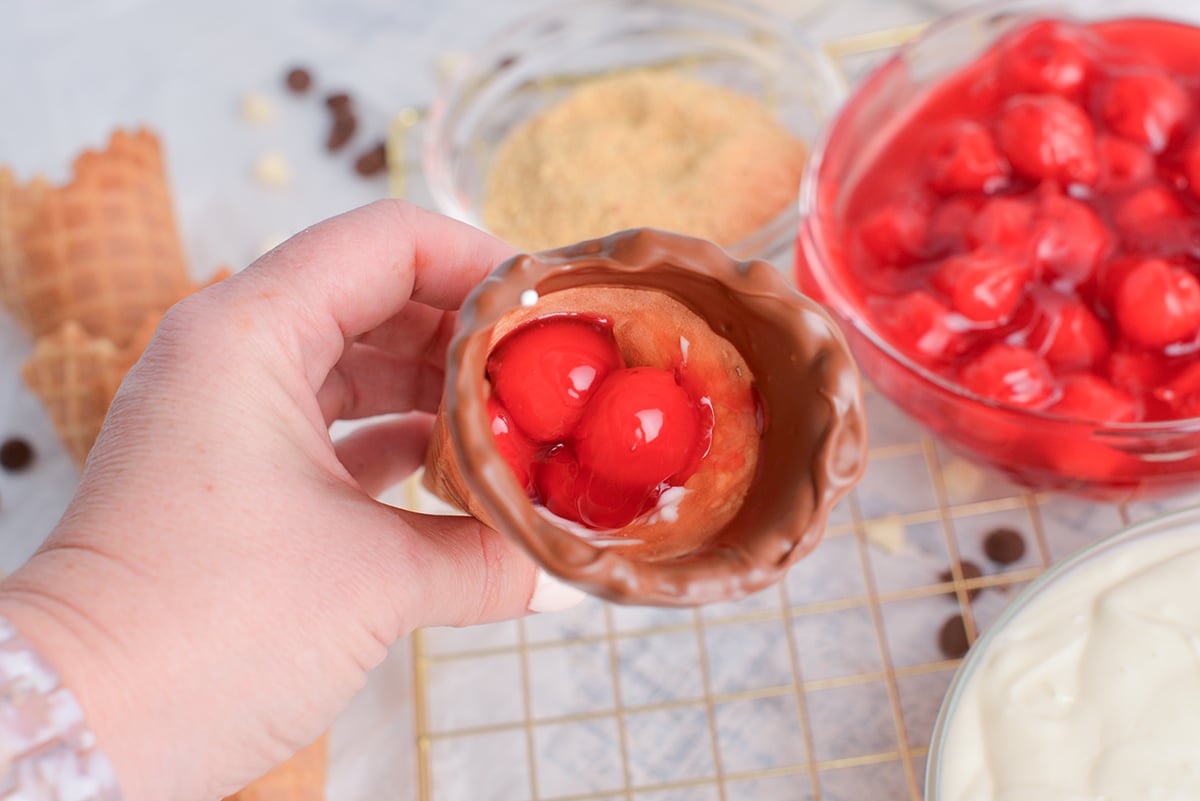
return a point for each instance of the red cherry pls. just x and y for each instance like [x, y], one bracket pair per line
[1088, 397]
[1110, 276]
[964, 158]
[949, 224]
[1157, 304]
[1153, 220]
[1147, 209]
[545, 372]
[1068, 240]
[1046, 137]
[984, 286]
[569, 492]
[1146, 107]
[1123, 164]
[558, 483]
[895, 234]
[920, 325]
[640, 429]
[1009, 374]
[1003, 224]
[1191, 165]
[514, 446]
[1182, 392]
[1067, 334]
[1135, 370]
[603, 505]
[1044, 58]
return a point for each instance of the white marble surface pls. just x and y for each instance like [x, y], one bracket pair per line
[74, 69]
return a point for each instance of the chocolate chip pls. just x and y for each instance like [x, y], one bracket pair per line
[339, 101]
[952, 638]
[505, 63]
[15, 454]
[1004, 545]
[372, 162]
[344, 125]
[970, 570]
[299, 80]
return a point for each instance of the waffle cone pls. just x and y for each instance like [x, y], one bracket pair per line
[102, 250]
[18, 209]
[75, 376]
[443, 473]
[301, 778]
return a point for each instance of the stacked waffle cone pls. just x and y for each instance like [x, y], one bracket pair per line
[88, 268]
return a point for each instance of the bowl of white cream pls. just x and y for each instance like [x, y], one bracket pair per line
[1087, 688]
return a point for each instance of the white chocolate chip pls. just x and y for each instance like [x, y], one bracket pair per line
[273, 170]
[963, 480]
[887, 534]
[257, 109]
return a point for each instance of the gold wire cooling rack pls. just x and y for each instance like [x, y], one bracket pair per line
[823, 688]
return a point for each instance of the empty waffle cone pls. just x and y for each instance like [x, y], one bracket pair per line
[75, 376]
[18, 209]
[102, 250]
[301, 778]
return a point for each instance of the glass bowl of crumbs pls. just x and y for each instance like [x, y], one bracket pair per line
[594, 116]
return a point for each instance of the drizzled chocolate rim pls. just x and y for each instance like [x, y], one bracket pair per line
[813, 447]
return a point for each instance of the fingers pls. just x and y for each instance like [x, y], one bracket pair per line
[382, 455]
[471, 574]
[347, 275]
[368, 381]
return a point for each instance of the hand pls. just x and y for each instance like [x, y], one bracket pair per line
[223, 581]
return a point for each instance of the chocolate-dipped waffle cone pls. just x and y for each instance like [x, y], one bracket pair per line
[810, 452]
[102, 250]
[301, 778]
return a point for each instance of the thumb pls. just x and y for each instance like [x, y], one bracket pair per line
[473, 574]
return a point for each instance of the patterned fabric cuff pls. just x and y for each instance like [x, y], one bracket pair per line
[47, 752]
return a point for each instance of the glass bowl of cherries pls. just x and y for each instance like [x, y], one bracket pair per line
[1005, 219]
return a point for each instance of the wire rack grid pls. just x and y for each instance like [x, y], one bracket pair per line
[823, 688]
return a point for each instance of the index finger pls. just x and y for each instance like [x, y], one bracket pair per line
[351, 273]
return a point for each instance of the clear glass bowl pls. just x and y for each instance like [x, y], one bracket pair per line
[1165, 524]
[541, 58]
[1036, 449]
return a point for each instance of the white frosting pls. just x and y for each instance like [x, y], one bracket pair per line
[1092, 692]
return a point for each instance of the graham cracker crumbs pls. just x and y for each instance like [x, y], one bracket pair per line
[643, 148]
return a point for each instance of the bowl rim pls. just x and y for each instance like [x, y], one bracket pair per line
[811, 233]
[1159, 524]
[766, 241]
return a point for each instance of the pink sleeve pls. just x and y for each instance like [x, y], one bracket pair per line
[47, 751]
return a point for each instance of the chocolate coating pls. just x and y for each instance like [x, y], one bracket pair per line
[814, 437]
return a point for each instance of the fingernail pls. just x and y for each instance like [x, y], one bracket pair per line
[552, 595]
